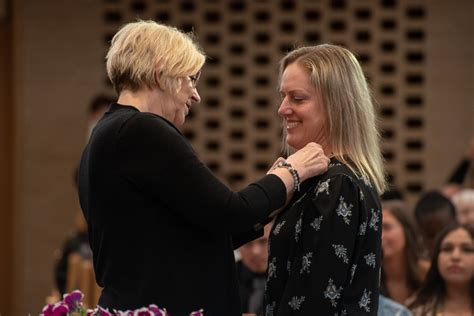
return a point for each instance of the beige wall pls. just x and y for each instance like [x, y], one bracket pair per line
[58, 61]
[450, 74]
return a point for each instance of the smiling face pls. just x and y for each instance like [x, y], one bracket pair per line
[456, 257]
[177, 105]
[301, 108]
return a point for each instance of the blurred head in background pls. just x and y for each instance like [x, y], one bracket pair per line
[464, 202]
[433, 212]
[254, 255]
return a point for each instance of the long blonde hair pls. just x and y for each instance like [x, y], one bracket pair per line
[353, 135]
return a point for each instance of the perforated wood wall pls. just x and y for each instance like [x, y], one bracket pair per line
[236, 130]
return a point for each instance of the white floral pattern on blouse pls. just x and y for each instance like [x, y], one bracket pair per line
[325, 249]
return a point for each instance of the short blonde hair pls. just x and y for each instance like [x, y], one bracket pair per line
[352, 129]
[139, 47]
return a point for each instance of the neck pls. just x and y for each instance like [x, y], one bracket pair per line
[326, 145]
[458, 293]
[145, 100]
[397, 267]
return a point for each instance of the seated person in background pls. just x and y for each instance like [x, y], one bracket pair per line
[252, 272]
[97, 109]
[464, 202]
[388, 307]
[449, 285]
[433, 212]
[403, 269]
[77, 243]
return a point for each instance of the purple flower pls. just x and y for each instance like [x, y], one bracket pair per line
[60, 309]
[197, 313]
[123, 313]
[48, 310]
[103, 312]
[73, 299]
[143, 312]
[157, 311]
[91, 312]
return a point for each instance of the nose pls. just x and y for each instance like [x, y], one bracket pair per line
[284, 108]
[195, 97]
[456, 253]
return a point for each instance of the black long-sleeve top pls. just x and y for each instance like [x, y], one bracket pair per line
[325, 249]
[162, 227]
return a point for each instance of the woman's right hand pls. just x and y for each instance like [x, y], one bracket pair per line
[309, 161]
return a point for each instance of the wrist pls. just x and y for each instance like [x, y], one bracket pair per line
[294, 173]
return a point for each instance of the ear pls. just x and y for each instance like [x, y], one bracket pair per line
[158, 73]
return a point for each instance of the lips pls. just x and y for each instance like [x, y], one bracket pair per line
[292, 124]
[188, 108]
[455, 269]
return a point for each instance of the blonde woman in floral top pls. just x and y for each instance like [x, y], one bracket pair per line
[325, 247]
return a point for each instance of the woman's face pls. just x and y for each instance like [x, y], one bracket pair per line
[456, 257]
[301, 108]
[178, 105]
[393, 236]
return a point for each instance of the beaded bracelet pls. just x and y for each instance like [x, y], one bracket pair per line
[294, 173]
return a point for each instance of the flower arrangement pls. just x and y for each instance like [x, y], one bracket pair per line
[71, 305]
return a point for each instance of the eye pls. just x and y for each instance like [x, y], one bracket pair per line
[446, 248]
[298, 98]
[467, 248]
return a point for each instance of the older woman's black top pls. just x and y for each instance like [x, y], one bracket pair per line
[161, 226]
[325, 249]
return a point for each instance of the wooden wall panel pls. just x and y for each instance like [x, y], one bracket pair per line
[58, 65]
[6, 159]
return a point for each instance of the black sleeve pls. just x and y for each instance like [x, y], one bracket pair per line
[460, 172]
[240, 239]
[156, 159]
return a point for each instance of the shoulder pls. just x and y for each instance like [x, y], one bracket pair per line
[143, 120]
[149, 128]
[390, 307]
[338, 177]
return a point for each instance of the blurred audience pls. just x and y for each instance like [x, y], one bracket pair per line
[97, 109]
[388, 307]
[449, 286]
[78, 241]
[252, 272]
[403, 268]
[464, 202]
[433, 212]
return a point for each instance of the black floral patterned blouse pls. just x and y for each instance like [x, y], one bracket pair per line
[324, 256]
